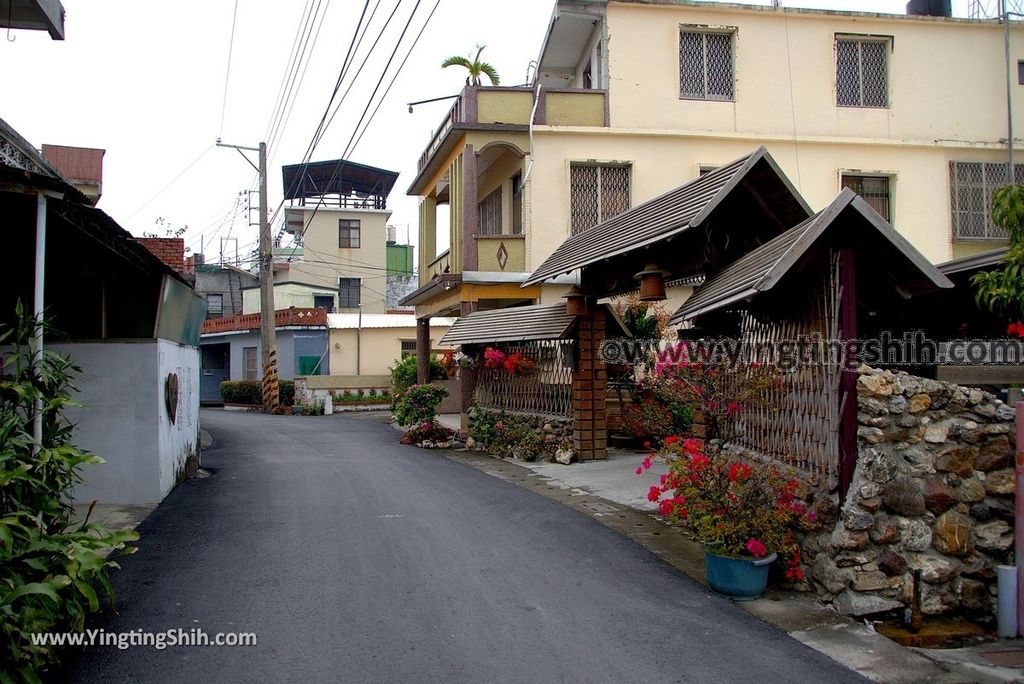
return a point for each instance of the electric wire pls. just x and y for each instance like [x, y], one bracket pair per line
[227, 70]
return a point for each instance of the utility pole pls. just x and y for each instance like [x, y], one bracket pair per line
[268, 331]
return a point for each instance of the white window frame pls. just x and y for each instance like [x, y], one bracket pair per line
[704, 31]
[861, 40]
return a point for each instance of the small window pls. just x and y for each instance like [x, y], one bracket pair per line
[251, 367]
[348, 293]
[214, 305]
[408, 348]
[489, 214]
[874, 189]
[862, 72]
[325, 302]
[706, 65]
[348, 234]
[596, 194]
[517, 204]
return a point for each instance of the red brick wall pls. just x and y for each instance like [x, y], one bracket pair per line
[171, 251]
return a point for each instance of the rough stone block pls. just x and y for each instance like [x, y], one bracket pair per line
[953, 534]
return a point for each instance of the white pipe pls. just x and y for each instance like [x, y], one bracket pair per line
[1006, 615]
[37, 312]
[533, 115]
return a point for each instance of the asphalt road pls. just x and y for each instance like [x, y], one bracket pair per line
[356, 559]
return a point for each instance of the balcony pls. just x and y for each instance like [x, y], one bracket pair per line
[441, 264]
[505, 253]
[509, 109]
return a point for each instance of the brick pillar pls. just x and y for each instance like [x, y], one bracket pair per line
[469, 202]
[590, 390]
[422, 350]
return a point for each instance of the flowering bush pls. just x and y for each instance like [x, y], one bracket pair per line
[735, 508]
[647, 418]
[418, 404]
[1016, 329]
[720, 391]
[519, 365]
[494, 358]
[514, 437]
[454, 361]
[430, 430]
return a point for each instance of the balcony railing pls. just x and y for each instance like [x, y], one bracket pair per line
[440, 264]
[484, 107]
[293, 316]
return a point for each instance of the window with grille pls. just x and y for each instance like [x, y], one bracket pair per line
[862, 72]
[874, 189]
[705, 65]
[408, 348]
[348, 293]
[250, 367]
[348, 233]
[324, 302]
[214, 305]
[971, 185]
[489, 214]
[596, 193]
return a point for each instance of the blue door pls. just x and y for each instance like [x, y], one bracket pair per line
[216, 365]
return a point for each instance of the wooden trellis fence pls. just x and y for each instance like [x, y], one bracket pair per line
[546, 391]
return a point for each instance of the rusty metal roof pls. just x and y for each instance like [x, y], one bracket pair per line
[685, 207]
[761, 269]
[511, 324]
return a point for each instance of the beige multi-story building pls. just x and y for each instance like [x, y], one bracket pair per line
[634, 98]
[338, 216]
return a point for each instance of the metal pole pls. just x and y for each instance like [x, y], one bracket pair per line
[359, 340]
[37, 313]
[1005, 15]
[268, 329]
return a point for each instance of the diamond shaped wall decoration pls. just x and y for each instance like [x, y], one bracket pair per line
[502, 256]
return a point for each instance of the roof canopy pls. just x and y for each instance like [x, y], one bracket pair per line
[517, 324]
[975, 262]
[336, 177]
[848, 221]
[750, 195]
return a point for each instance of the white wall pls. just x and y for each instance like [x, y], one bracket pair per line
[124, 418]
[178, 441]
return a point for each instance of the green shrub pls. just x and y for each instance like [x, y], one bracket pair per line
[251, 392]
[50, 569]
[483, 429]
[403, 373]
[418, 404]
[515, 437]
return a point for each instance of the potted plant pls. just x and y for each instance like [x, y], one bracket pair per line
[746, 514]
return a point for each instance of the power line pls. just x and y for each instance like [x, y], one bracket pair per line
[227, 71]
[169, 183]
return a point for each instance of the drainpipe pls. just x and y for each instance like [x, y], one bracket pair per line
[359, 338]
[37, 312]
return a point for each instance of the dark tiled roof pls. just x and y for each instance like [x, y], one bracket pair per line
[677, 210]
[976, 261]
[760, 269]
[513, 324]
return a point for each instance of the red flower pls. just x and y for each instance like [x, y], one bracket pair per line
[666, 507]
[639, 470]
[654, 493]
[738, 471]
[692, 445]
[732, 408]
[699, 462]
[756, 548]
[670, 440]
[647, 445]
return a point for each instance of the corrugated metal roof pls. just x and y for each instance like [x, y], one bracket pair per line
[349, 321]
[976, 261]
[657, 219]
[760, 269]
[512, 324]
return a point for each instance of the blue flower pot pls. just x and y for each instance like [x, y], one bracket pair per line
[741, 579]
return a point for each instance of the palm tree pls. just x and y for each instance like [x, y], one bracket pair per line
[475, 67]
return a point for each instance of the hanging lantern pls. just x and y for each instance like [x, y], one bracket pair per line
[652, 283]
[575, 302]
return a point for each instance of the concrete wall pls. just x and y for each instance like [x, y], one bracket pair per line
[178, 439]
[290, 294]
[227, 283]
[122, 385]
[310, 342]
[379, 348]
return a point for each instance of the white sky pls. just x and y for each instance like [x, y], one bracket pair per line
[144, 80]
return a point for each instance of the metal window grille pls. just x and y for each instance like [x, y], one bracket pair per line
[348, 293]
[251, 369]
[489, 214]
[862, 72]
[597, 193]
[971, 185]
[325, 302]
[705, 65]
[546, 391]
[348, 233]
[874, 189]
[408, 348]
[214, 305]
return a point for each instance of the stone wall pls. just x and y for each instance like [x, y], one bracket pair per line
[932, 494]
[553, 429]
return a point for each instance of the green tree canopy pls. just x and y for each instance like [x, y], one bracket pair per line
[474, 66]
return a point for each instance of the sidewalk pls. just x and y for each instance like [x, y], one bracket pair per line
[852, 643]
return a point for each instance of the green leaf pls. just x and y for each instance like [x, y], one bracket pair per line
[38, 588]
[90, 595]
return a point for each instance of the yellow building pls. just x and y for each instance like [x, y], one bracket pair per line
[338, 216]
[632, 99]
